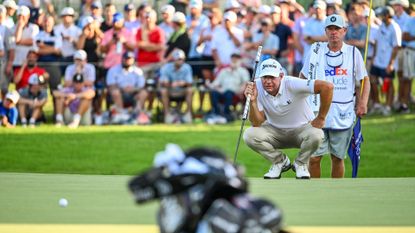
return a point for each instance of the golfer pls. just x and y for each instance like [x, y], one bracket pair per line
[281, 118]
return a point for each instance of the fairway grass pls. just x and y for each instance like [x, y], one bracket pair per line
[102, 199]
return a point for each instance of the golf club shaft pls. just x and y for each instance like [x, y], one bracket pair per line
[246, 108]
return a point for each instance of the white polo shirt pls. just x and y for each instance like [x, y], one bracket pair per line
[88, 72]
[289, 108]
[223, 43]
[388, 37]
[68, 48]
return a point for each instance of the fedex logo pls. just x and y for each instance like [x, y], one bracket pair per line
[336, 71]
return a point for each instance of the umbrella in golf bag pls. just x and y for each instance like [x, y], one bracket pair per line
[201, 191]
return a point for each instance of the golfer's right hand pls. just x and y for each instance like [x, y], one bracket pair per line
[251, 91]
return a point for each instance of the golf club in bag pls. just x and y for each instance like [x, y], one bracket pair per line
[248, 100]
[200, 191]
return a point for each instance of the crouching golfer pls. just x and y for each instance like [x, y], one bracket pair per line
[281, 118]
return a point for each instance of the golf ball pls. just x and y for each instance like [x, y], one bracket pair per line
[63, 202]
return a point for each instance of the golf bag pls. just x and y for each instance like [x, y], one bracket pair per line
[200, 191]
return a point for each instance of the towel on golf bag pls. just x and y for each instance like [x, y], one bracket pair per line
[200, 189]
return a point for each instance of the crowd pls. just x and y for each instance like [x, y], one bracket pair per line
[103, 65]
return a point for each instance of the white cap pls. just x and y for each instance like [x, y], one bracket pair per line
[10, 3]
[265, 9]
[178, 54]
[67, 11]
[334, 2]
[23, 10]
[13, 96]
[36, 79]
[231, 16]
[196, 4]
[179, 17]
[86, 20]
[404, 3]
[169, 9]
[320, 4]
[80, 54]
[275, 9]
[335, 20]
[270, 67]
[232, 4]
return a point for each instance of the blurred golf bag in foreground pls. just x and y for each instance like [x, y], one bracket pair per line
[200, 191]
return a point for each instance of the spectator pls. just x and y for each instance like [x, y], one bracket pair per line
[226, 40]
[11, 8]
[408, 64]
[176, 82]
[115, 42]
[80, 66]
[131, 21]
[8, 111]
[49, 45]
[73, 104]
[29, 67]
[167, 12]
[284, 33]
[70, 34]
[96, 12]
[109, 11]
[233, 5]
[8, 47]
[179, 39]
[269, 41]
[388, 42]
[356, 31]
[29, 3]
[90, 39]
[314, 31]
[32, 100]
[126, 86]
[229, 84]
[25, 35]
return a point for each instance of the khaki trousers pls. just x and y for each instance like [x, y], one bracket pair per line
[268, 141]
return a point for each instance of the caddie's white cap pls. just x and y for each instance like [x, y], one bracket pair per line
[179, 17]
[23, 10]
[10, 4]
[270, 67]
[80, 54]
[335, 20]
[169, 9]
[404, 3]
[231, 16]
[13, 96]
[67, 11]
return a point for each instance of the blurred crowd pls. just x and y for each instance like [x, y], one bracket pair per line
[138, 65]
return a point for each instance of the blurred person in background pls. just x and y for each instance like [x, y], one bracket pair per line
[314, 29]
[130, 15]
[8, 48]
[80, 65]
[32, 100]
[96, 12]
[73, 103]
[176, 79]
[356, 30]
[8, 111]
[167, 12]
[29, 67]
[284, 34]
[179, 39]
[109, 11]
[11, 8]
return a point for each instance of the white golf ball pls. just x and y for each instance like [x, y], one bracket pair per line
[63, 202]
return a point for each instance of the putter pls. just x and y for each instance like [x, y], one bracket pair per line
[248, 99]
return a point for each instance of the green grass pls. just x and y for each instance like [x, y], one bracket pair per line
[33, 198]
[388, 150]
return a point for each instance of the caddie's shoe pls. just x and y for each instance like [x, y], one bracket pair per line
[278, 168]
[301, 171]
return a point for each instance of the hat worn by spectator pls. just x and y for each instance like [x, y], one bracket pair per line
[270, 67]
[96, 5]
[404, 3]
[196, 4]
[231, 16]
[117, 17]
[169, 9]
[86, 21]
[236, 55]
[10, 4]
[335, 20]
[334, 2]
[78, 78]
[128, 54]
[67, 11]
[23, 10]
[387, 11]
[266, 21]
[179, 17]
[129, 7]
[265, 9]
[36, 79]
[275, 9]
[320, 5]
[13, 96]
[231, 4]
[80, 54]
[284, 2]
[178, 54]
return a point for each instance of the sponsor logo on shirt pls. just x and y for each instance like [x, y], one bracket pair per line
[337, 71]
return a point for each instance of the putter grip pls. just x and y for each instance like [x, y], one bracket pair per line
[246, 108]
[248, 98]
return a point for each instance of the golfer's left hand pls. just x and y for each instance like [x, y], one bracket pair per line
[318, 123]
